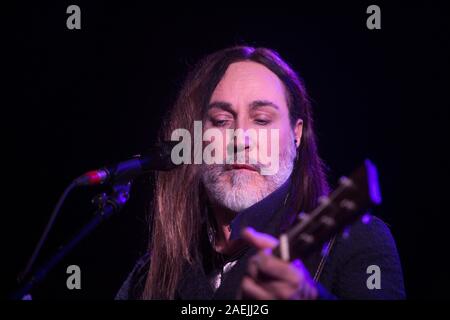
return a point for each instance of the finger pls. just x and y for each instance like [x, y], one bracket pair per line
[259, 240]
[251, 290]
[252, 267]
[280, 289]
[284, 290]
[268, 266]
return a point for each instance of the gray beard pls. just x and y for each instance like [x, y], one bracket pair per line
[238, 190]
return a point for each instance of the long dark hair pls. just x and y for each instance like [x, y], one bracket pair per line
[179, 203]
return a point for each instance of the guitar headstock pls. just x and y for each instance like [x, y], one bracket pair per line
[354, 196]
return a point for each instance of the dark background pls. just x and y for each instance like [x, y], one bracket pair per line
[78, 99]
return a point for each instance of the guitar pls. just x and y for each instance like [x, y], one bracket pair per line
[354, 196]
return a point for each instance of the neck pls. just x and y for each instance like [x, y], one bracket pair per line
[223, 217]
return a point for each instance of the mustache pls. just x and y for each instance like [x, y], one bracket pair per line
[251, 165]
[285, 158]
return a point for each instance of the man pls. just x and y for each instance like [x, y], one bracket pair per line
[214, 224]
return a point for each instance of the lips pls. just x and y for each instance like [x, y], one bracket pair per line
[242, 166]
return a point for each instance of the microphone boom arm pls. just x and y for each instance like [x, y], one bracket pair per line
[107, 206]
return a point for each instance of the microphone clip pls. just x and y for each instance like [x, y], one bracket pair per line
[116, 198]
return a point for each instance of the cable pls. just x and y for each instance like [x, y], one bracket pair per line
[49, 225]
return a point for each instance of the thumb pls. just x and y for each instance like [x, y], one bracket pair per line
[258, 239]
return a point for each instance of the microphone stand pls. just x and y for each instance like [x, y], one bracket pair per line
[108, 204]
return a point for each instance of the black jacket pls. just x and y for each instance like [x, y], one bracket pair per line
[342, 274]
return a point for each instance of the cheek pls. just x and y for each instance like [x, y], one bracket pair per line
[286, 138]
[216, 140]
[275, 140]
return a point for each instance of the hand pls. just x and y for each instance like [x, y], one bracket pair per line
[270, 278]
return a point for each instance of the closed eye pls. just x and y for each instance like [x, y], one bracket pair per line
[219, 122]
[262, 122]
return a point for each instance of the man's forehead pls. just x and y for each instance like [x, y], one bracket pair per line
[248, 81]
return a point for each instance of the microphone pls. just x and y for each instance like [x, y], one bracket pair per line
[156, 158]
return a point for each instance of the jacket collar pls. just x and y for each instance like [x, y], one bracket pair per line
[264, 216]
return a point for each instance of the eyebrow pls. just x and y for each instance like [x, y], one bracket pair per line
[222, 105]
[263, 103]
[256, 104]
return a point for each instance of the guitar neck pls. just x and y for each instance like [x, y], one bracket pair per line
[352, 199]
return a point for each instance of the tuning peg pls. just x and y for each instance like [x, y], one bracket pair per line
[348, 204]
[345, 181]
[328, 221]
[365, 219]
[323, 200]
[302, 216]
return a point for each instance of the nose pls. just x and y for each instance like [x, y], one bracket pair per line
[240, 143]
